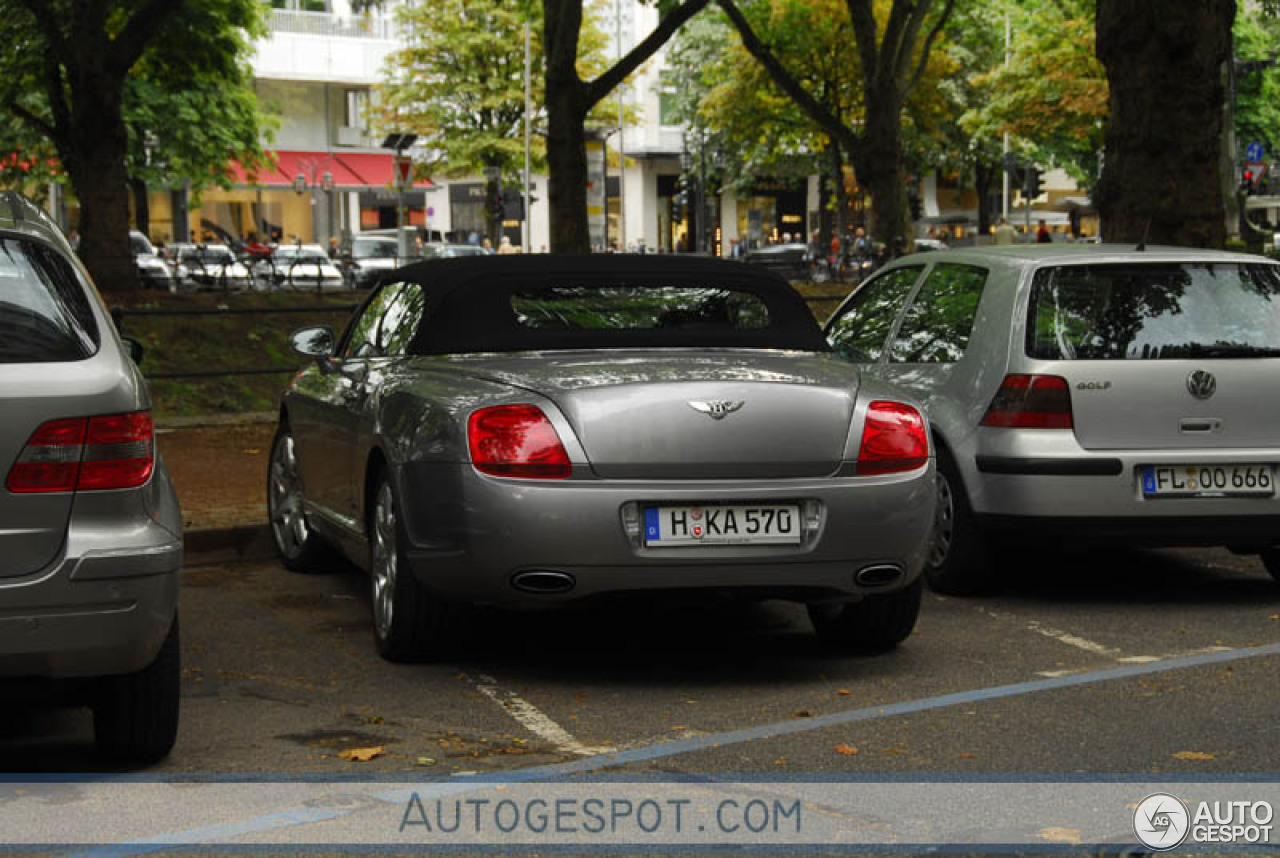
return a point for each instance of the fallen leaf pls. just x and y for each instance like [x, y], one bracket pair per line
[252, 452]
[847, 750]
[781, 761]
[678, 727]
[1275, 616]
[1194, 755]
[424, 761]
[895, 750]
[844, 692]
[373, 719]
[967, 755]
[804, 713]
[1057, 834]
[362, 755]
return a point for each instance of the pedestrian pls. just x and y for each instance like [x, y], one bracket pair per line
[334, 250]
[487, 245]
[1004, 233]
[505, 247]
[1042, 234]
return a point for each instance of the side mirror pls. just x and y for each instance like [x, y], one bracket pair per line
[136, 349]
[314, 342]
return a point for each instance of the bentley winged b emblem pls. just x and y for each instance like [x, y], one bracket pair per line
[716, 409]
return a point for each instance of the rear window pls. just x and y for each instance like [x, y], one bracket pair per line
[629, 308]
[44, 312]
[1157, 311]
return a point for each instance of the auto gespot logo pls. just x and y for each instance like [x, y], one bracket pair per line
[1163, 821]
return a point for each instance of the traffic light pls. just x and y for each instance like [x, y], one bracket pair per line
[915, 204]
[512, 204]
[1033, 177]
[493, 202]
[1246, 182]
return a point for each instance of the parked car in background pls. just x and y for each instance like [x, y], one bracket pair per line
[90, 528]
[451, 251]
[790, 261]
[153, 271]
[209, 267]
[371, 256]
[299, 267]
[1083, 395]
[530, 430]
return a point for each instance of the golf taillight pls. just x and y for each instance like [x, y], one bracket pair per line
[114, 451]
[516, 441]
[894, 439]
[1031, 402]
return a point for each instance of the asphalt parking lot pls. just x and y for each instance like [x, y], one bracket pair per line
[1159, 662]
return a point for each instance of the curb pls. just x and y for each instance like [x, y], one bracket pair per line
[217, 545]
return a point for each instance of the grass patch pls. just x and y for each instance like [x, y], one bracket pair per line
[223, 342]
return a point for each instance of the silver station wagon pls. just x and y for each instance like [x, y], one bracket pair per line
[1077, 394]
[531, 430]
[90, 529]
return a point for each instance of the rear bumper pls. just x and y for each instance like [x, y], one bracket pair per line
[1020, 479]
[105, 604]
[470, 535]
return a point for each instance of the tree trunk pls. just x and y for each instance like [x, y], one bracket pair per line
[94, 157]
[841, 194]
[879, 170]
[567, 171]
[141, 206]
[1166, 65]
[983, 175]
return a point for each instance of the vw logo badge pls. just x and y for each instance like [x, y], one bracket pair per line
[716, 409]
[1202, 384]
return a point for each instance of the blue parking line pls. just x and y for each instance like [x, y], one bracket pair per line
[664, 750]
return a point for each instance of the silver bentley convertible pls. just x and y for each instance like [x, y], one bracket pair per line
[541, 429]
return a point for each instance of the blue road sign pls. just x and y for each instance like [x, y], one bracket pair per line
[1253, 152]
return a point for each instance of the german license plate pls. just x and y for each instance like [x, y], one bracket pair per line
[728, 524]
[1208, 481]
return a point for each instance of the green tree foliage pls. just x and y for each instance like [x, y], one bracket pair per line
[92, 81]
[1257, 37]
[1052, 96]
[458, 83]
[893, 41]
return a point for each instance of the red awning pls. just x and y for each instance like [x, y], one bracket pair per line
[352, 171]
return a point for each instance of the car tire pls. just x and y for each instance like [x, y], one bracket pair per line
[1271, 560]
[135, 715]
[300, 548]
[409, 622]
[878, 622]
[956, 563]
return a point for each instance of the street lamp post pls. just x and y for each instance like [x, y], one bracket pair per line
[310, 178]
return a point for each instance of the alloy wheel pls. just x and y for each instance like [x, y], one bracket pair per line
[284, 498]
[384, 565]
[944, 524]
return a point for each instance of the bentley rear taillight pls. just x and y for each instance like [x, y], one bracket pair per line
[516, 441]
[894, 439]
[114, 451]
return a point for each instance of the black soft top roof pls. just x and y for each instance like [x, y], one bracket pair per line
[469, 302]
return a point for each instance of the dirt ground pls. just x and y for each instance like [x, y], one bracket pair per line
[220, 472]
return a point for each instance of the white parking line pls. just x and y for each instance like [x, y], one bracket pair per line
[1057, 634]
[534, 719]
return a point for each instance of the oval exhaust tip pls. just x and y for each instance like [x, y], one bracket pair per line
[543, 582]
[879, 575]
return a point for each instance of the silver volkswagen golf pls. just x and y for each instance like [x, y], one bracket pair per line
[90, 530]
[1084, 394]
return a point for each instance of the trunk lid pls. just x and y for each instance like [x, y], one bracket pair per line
[1163, 353]
[697, 414]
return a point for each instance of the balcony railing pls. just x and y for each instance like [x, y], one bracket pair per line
[361, 26]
